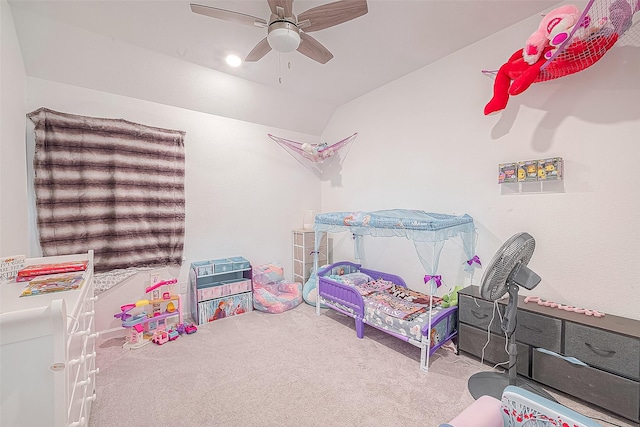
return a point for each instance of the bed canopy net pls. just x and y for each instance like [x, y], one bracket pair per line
[427, 231]
[568, 41]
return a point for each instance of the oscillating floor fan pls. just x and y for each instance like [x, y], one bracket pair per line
[505, 274]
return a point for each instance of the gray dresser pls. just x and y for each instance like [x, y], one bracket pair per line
[609, 345]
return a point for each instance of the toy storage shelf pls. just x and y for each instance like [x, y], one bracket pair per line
[609, 346]
[220, 288]
[303, 247]
[48, 352]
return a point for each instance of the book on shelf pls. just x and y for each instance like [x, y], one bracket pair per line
[31, 271]
[53, 283]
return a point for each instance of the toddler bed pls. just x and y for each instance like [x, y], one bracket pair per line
[427, 328]
[383, 301]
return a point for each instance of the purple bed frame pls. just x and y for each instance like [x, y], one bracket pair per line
[332, 291]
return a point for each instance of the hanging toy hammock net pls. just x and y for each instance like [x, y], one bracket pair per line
[321, 159]
[601, 24]
[567, 41]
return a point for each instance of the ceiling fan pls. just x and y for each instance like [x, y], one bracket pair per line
[285, 31]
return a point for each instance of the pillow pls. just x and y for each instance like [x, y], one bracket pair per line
[356, 278]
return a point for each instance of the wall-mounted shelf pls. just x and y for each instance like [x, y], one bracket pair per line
[537, 187]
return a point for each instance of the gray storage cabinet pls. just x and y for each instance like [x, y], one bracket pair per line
[609, 346]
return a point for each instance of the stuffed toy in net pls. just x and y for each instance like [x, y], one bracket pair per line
[562, 45]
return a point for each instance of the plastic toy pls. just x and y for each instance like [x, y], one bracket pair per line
[160, 337]
[190, 329]
[148, 325]
[173, 334]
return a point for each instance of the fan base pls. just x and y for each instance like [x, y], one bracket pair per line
[493, 384]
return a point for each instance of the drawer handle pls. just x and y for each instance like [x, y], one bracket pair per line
[532, 329]
[479, 315]
[599, 351]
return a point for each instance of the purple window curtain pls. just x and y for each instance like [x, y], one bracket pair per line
[109, 185]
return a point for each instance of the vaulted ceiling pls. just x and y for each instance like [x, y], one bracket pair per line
[70, 41]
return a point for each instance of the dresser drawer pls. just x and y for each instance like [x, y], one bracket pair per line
[607, 350]
[478, 312]
[539, 331]
[608, 391]
[472, 340]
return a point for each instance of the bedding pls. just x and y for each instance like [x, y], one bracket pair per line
[385, 302]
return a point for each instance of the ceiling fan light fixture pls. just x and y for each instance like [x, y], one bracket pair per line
[233, 60]
[283, 36]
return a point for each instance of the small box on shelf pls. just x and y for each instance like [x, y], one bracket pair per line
[529, 171]
[550, 169]
[507, 173]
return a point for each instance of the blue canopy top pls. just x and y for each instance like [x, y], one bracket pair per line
[413, 224]
[428, 231]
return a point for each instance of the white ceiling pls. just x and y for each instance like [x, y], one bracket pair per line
[395, 38]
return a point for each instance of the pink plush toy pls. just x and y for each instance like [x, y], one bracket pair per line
[553, 23]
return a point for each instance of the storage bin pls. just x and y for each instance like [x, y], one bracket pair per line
[202, 268]
[222, 265]
[240, 263]
[219, 308]
[237, 286]
[223, 288]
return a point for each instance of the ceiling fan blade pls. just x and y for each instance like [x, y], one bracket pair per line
[227, 15]
[331, 14]
[260, 50]
[287, 5]
[313, 49]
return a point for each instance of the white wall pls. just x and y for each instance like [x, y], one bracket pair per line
[13, 194]
[424, 143]
[244, 193]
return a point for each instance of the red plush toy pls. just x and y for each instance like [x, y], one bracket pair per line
[515, 76]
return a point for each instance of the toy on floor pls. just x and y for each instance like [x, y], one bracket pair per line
[160, 337]
[583, 42]
[152, 323]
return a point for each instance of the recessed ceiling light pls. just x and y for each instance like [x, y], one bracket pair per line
[234, 61]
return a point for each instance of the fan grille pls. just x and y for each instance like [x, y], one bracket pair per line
[518, 250]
